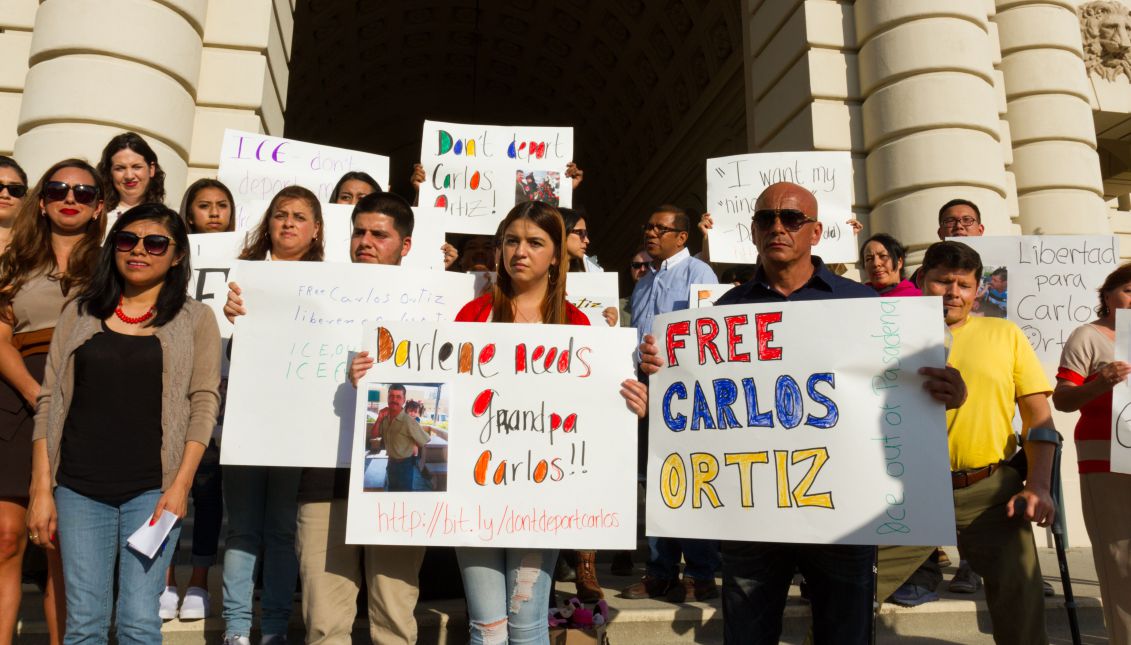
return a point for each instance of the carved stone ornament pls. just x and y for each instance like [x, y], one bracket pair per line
[1105, 28]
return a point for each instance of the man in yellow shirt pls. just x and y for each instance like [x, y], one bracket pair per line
[993, 503]
[401, 436]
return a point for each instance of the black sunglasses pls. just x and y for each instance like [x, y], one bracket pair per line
[56, 191]
[638, 265]
[15, 190]
[126, 241]
[791, 219]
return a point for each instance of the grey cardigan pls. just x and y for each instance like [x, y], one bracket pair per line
[190, 380]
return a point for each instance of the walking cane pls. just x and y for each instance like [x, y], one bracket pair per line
[1058, 542]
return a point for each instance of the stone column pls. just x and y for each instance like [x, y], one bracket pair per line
[930, 115]
[16, 23]
[99, 68]
[1059, 185]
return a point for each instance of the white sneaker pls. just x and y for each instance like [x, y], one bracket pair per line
[237, 640]
[197, 604]
[169, 600]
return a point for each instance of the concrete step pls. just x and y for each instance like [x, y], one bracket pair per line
[954, 619]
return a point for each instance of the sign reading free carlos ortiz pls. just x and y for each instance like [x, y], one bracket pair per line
[800, 422]
[521, 437]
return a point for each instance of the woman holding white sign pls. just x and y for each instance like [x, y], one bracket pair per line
[55, 240]
[508, 590]
[1088, 372]
[262, 501]
[129, 400]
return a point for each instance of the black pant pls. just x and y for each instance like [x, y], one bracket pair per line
[756, 579]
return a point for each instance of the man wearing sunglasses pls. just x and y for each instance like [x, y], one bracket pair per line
[331, 570]
[757, 575]
[665, 286]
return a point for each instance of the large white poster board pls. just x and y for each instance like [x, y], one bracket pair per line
[534, 439]
[1048, 284]
[1121, 398]
[256, 166]
[212, 255]
[800, 422]
[476, 173]
[733, 186]
[289, 401]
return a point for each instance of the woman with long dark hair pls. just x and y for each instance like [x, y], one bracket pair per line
[529, 288]
[1088, 373]
[353, 186]
[262, 501]
[129, 166]
[128, 403]
[55, 240]
[208, 207]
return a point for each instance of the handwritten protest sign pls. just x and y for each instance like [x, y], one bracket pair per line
[256, 166]
[535, 437]
[705, 295]
[212, 255]
[596, 294]
[289, 401]
[1121, 398]
[800, 422]
[1044, 283]
[734, 183]
[476, 173]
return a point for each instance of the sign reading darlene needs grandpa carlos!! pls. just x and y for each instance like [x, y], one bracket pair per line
[538, 440]
[256, 166]
[1048, 284]
[800, 422]
[476, 173]
[289, 401]
[734, 183]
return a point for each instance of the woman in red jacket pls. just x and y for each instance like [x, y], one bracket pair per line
[530, 288]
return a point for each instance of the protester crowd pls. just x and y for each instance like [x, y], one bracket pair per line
[112, 402]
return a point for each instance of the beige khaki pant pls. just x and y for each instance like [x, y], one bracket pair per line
[999, 548]
[1106, 499]
[331, 573]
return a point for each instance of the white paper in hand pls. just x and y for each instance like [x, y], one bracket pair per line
[148, 539]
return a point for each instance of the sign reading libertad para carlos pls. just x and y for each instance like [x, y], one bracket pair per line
[800, 422]
[529, 443]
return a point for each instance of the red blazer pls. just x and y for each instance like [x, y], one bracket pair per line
[479, 310]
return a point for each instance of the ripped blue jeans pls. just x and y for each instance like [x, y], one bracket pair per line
[508, 594]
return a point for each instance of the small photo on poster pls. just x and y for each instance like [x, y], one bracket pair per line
[406, 437]
[993, 293]
[538, 186]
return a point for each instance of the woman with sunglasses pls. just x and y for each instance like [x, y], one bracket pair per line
[53, 251]
[129, 400]
[529, 288]
[262, 501]
[13, 187]
[207, 207]
[130, 166]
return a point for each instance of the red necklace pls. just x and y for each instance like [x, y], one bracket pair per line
[131, 320]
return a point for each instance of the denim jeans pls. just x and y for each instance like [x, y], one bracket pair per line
[262, 508]
[404, 475]
[208, 508]
[701, 556]
[756, 579]
[92, 534]
[507, 586]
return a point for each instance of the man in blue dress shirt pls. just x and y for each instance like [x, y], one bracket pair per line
[666, 287]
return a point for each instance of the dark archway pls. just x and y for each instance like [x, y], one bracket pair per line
[652, 88]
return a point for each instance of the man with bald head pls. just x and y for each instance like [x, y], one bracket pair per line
[757, 575]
